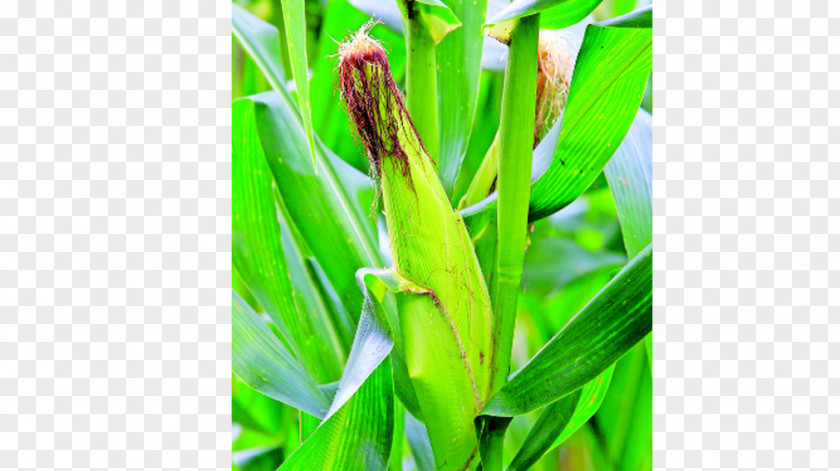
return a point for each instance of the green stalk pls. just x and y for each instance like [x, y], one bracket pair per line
[421, 79]
[514, 184]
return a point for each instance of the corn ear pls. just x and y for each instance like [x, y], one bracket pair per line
[444, 309]
[555, 65]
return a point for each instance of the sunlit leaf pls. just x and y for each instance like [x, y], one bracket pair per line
[333, 226]
[613, 322]
[262, 362]
[459, 70]
[357, 436]
[259, 258]
[295, 23]
[554, 14]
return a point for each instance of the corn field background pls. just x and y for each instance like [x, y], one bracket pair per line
[450, 270]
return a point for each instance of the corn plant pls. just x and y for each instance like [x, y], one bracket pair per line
[441, 235]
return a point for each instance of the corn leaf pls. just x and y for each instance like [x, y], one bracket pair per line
[313, 293]
[324, 205]
[625, 419]
[561, 419]
[630, 176]
[356, 436]
[373, 340]
[262, 42]
[458, 58]
[259, 258]
[418, 441]
[553, 419]
[554, 14]
[331, 201]
[330, 222]
[609, 80]
[357, 431]
[438, 17]
[615, 320]
[294, 17]
[262, 362]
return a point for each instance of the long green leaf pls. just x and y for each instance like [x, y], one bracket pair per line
[609, 80]
[459, 70]
[552, 420]
[373, 341]
[294, 16]
[554, 14]
[330, 199]
[418, 441]
[262, 42]
[374, 284]
[262, 362]
[329, 221]
[630, 176]
[259, 258]
[615, 320]
[560, 419]
[357, 436]
[357, 431]
[314, 295]
[625, 419]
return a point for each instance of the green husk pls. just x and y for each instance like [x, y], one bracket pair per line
[444, 308]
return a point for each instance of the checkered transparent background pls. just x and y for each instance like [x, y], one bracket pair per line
[115, 222]
[115, 234]
[747, 251]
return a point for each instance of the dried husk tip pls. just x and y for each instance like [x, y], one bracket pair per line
[374, 103]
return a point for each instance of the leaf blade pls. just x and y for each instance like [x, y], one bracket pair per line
[357, 436]
[613, 321]
[262, 362]
[458, 58]
[607, 86]
[630, 176]
[258, 251]
[295, 22]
